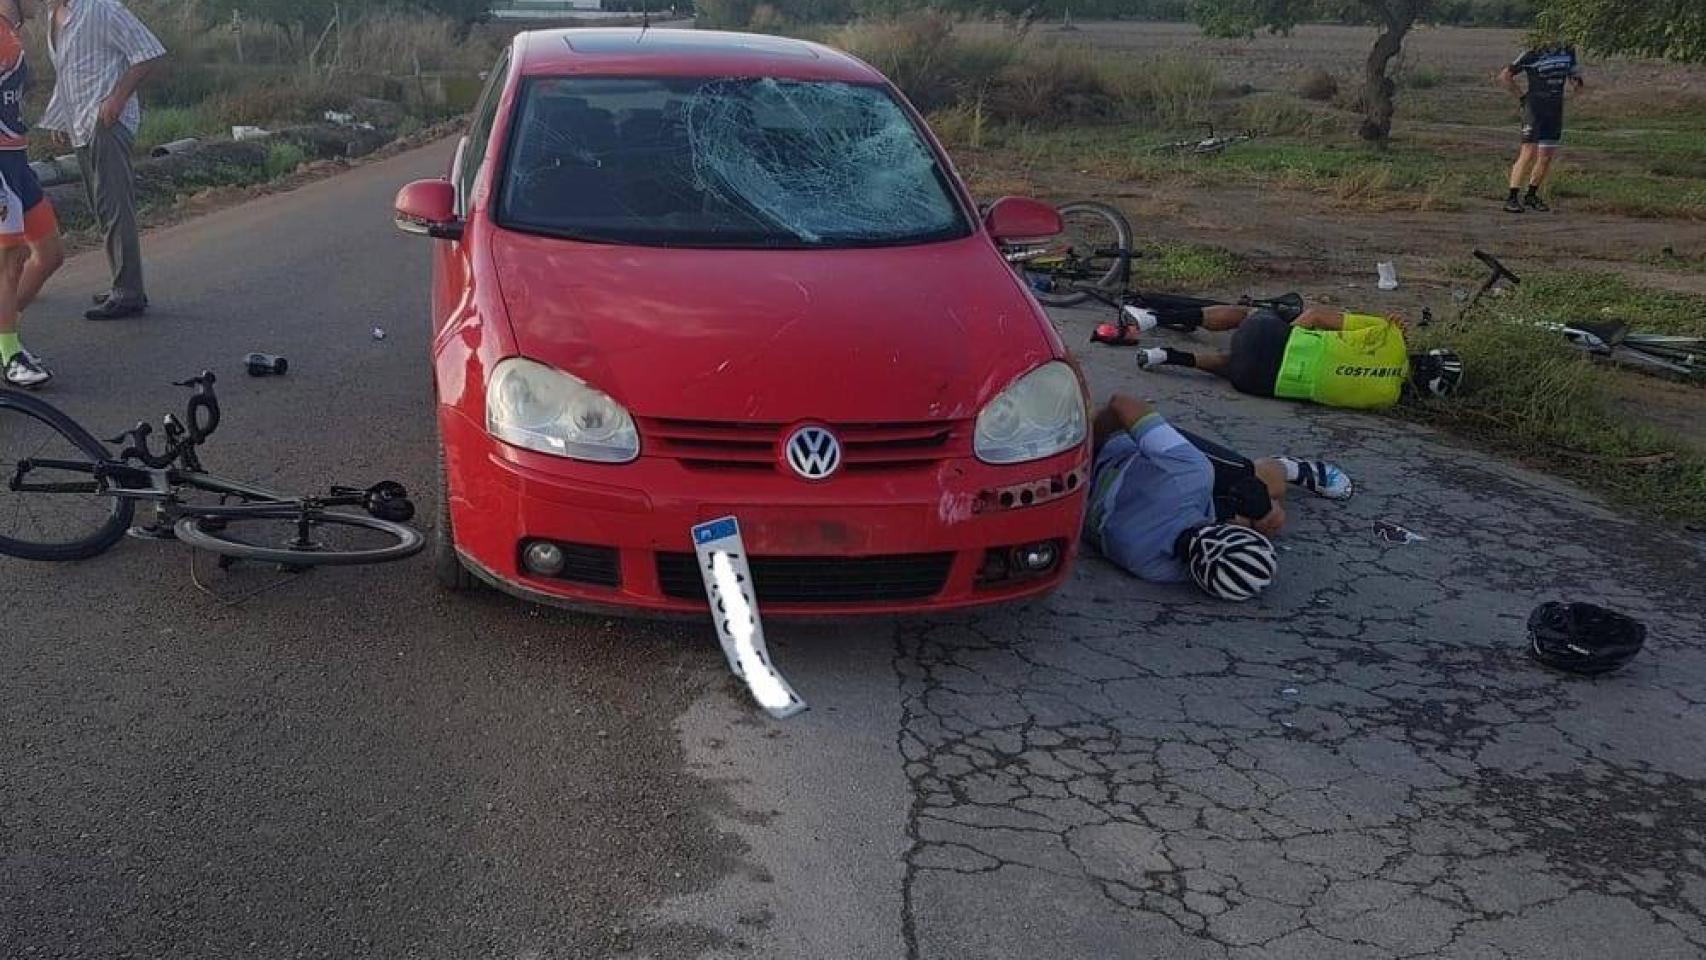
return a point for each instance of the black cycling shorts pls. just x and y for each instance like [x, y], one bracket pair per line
[1543, 122]
[1258, 350]
[1238, 492]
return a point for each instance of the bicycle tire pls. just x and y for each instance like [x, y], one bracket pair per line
[119, 514]
[1113, 277]
[213, 535]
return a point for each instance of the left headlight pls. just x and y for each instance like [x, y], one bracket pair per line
[531, 405]
[1040, 415]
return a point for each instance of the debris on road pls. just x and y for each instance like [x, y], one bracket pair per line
[266, 365]
[176, 146]
[242, 133]
[1388, 275]
[378, 333]
[1393, 533]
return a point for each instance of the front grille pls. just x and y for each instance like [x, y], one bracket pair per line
[815, 580]
[725, 445]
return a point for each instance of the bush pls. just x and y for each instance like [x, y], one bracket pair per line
[725, 14]
[283, 158]
[1317, 84]
[1054, 85]
[166, 124]
[1173, 90]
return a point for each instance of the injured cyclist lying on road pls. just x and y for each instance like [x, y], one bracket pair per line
[1170, 507]
[1350, 360]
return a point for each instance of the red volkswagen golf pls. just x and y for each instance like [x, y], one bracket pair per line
[682, 275]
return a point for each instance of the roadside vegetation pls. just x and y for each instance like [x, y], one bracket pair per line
[1532, 394]
[277, 65]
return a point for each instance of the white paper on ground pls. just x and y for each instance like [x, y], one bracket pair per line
[734, 613]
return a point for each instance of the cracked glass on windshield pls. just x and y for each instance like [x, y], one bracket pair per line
[692, 161]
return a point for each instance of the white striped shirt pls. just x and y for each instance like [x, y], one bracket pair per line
[100, 40]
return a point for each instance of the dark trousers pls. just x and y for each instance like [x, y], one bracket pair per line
[111, 187]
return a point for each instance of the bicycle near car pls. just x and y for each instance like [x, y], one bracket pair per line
[1093, 253]
[64, 496]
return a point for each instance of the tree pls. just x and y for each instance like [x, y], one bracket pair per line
[1395, 18]
[1672, 29]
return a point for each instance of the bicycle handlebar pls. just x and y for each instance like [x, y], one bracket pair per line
[1500, 271]
[182, 436]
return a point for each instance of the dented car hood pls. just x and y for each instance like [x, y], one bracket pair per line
[880, 334]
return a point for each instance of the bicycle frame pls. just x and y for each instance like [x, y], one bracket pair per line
[162, 487]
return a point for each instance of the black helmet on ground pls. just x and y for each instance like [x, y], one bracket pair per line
[1583, 638]
[1437, 373]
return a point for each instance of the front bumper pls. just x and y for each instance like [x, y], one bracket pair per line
[635, 519]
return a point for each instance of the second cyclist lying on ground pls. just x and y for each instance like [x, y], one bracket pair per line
[1280, 349]
[1169, 506]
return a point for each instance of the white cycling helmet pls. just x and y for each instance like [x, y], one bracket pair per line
[1230, 562]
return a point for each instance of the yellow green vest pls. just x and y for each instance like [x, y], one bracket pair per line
[1361, 367]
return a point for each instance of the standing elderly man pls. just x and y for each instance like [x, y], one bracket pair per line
[101, 53]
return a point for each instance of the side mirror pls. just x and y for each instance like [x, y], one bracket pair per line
[1016, 220]
[427, 208]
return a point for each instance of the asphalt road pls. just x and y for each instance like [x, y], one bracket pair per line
[350, 764]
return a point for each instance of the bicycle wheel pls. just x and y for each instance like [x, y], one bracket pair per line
[1100, 239]
[320, 539]
[63, 512]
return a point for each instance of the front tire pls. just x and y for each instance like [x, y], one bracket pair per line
[61, 525]
[1096, 227]
[447, 566]
[338, 539]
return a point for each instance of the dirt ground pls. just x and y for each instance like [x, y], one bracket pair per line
[1327, 249]
[1269, 62]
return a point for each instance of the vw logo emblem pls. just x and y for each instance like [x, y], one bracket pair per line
[813, 453]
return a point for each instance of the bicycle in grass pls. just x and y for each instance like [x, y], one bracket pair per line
[64, 496]
[1613, 341]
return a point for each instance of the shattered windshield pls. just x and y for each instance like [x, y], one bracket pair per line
[683, 161]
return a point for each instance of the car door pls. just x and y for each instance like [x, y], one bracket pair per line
[451, 269]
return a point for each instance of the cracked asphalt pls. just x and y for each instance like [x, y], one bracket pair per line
[1362, 764]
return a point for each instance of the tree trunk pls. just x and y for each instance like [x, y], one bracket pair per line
[1397, 17]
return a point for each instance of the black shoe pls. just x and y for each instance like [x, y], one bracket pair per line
[1513, 205]
[114, 310]
[1533, 202]
[26, 371]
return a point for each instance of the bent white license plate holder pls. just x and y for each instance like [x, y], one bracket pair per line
[734, 612]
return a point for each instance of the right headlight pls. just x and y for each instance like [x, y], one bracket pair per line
[1040, 415]
[540, 408]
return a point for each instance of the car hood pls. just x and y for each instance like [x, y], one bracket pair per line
[891, 334]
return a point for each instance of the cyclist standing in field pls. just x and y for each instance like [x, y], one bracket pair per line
[1550, 68]
[30, 250]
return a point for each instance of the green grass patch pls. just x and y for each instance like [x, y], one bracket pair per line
[1183, 266]
[1528, 392]
[166, 124]
[1531, 393]
[283, 158]
[1560, 297]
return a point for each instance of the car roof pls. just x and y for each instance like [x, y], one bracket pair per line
[639, 51]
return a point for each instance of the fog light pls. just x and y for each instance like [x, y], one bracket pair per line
[1036, 557]
[543, 559]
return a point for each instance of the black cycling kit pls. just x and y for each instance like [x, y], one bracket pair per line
[1549, 72]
